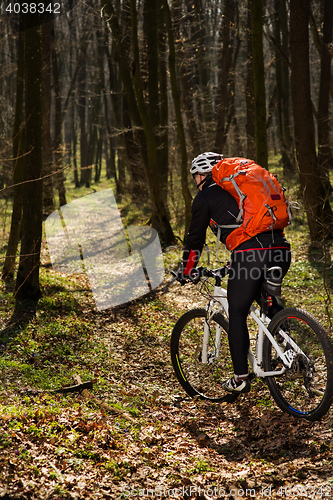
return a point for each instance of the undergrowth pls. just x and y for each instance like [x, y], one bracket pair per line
[124, 351]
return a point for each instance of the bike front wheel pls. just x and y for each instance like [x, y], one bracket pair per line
[202, 380]
[306, 389]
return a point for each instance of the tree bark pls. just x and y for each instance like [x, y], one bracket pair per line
[82, 104]
[188, 75]
[317, 206]
[140, 119]
[163, 132]
[18, 167]
[200, 37]
[259, 83]
[226, 59]
[249, 93]
[27, 281]
[58, 128]
[324, 150]
[283, 86]
[48, 201]
[157, 87]
[179, 120]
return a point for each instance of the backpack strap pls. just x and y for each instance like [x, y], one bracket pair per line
[219, 231]
[218, 240]
[241, 195]
[271, 213]
[239, 218]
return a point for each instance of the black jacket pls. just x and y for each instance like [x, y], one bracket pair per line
[212, 205]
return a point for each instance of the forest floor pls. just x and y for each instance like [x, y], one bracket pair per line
[135, 434]
[147, 441]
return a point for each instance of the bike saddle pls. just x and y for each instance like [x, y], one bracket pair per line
[274, 281]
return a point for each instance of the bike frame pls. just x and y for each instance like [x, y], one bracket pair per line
[220, 300]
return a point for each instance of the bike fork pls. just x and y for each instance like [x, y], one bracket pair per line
[206, 335]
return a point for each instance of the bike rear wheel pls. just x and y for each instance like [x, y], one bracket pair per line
[306, 389]
[199, 380]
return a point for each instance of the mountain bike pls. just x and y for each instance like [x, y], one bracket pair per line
[291, 352]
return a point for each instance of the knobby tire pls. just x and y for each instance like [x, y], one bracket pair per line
[306, 389]
[201, 381]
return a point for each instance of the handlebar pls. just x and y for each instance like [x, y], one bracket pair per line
[202, 272]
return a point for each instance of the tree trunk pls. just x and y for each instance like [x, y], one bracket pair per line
[106, 133]
[74, 147]
[259, 83]
[48, 202]
[180, 127]
[57, 128]
[27, 282]
[226, 59]
[82, 104]
[18, 169]
[128, 148]
[163, 131]
[283, 86]
[200, 39]
[316, 204]
[249, 93]
[324, 150]
[159, 210]
[185, 55]
[93, 132]
[140, 120]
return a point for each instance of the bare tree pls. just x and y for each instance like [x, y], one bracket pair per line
[249, 91]
[324, 149]
[282, 64]
[259, 82]
[226, 97]
[179, 120]
[18, 163]
[131, 78]
[27, 281]
[317, 206]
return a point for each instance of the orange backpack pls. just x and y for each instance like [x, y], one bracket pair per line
[262, 203]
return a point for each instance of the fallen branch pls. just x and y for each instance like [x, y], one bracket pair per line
[80, 387]
[103, 406]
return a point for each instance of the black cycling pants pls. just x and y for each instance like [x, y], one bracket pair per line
[247, 274]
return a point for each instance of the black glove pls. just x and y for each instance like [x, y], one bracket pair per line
[179, 275]
[194, 276]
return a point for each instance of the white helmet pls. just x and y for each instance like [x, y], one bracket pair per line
[204, 163]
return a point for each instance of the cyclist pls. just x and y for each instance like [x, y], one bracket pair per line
[214, 207]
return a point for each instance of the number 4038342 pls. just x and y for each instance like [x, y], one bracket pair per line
[33, 8]
[305, 491]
